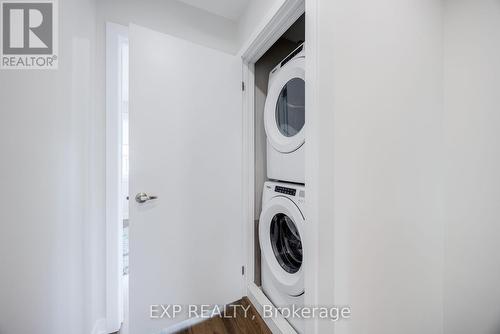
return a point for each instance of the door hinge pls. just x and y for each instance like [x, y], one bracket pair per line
[243, 86]
[243, 270]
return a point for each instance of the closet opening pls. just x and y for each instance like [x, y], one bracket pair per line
[274, 110]
[282, 51]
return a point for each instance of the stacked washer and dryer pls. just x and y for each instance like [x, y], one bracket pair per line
[282, 221]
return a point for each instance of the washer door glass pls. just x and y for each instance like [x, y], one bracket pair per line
[286, 243]
[290, 107]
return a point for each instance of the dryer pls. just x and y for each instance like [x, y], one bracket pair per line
[281, 228]
[284, 119]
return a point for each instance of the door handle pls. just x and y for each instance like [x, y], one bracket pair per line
[143, 197]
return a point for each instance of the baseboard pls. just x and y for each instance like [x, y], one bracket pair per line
[99, 327]
[278, 324]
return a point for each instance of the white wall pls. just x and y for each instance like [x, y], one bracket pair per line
[376, 206]
[256, 13]
[472, 137]
[47, 273]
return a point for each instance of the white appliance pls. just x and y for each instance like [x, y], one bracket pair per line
[284, 118]
[281, 227]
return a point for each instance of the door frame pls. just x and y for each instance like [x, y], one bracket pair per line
[115, 35]
[277, 21]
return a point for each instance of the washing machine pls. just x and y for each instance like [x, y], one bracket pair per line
[281, 229]
[284, 119]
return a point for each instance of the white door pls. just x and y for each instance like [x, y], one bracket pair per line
[186, 246]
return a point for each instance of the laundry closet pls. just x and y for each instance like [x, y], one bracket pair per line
[279, 170]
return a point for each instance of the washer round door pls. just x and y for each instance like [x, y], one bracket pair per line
[281, 226]
[284, 113]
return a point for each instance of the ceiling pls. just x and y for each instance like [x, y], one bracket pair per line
[230, 9]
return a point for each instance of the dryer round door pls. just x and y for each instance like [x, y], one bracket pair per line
[284, 113]
[281, 226]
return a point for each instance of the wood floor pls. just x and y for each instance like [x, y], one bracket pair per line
[235, 323]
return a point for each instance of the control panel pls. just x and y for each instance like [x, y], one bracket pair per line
[285, 190]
